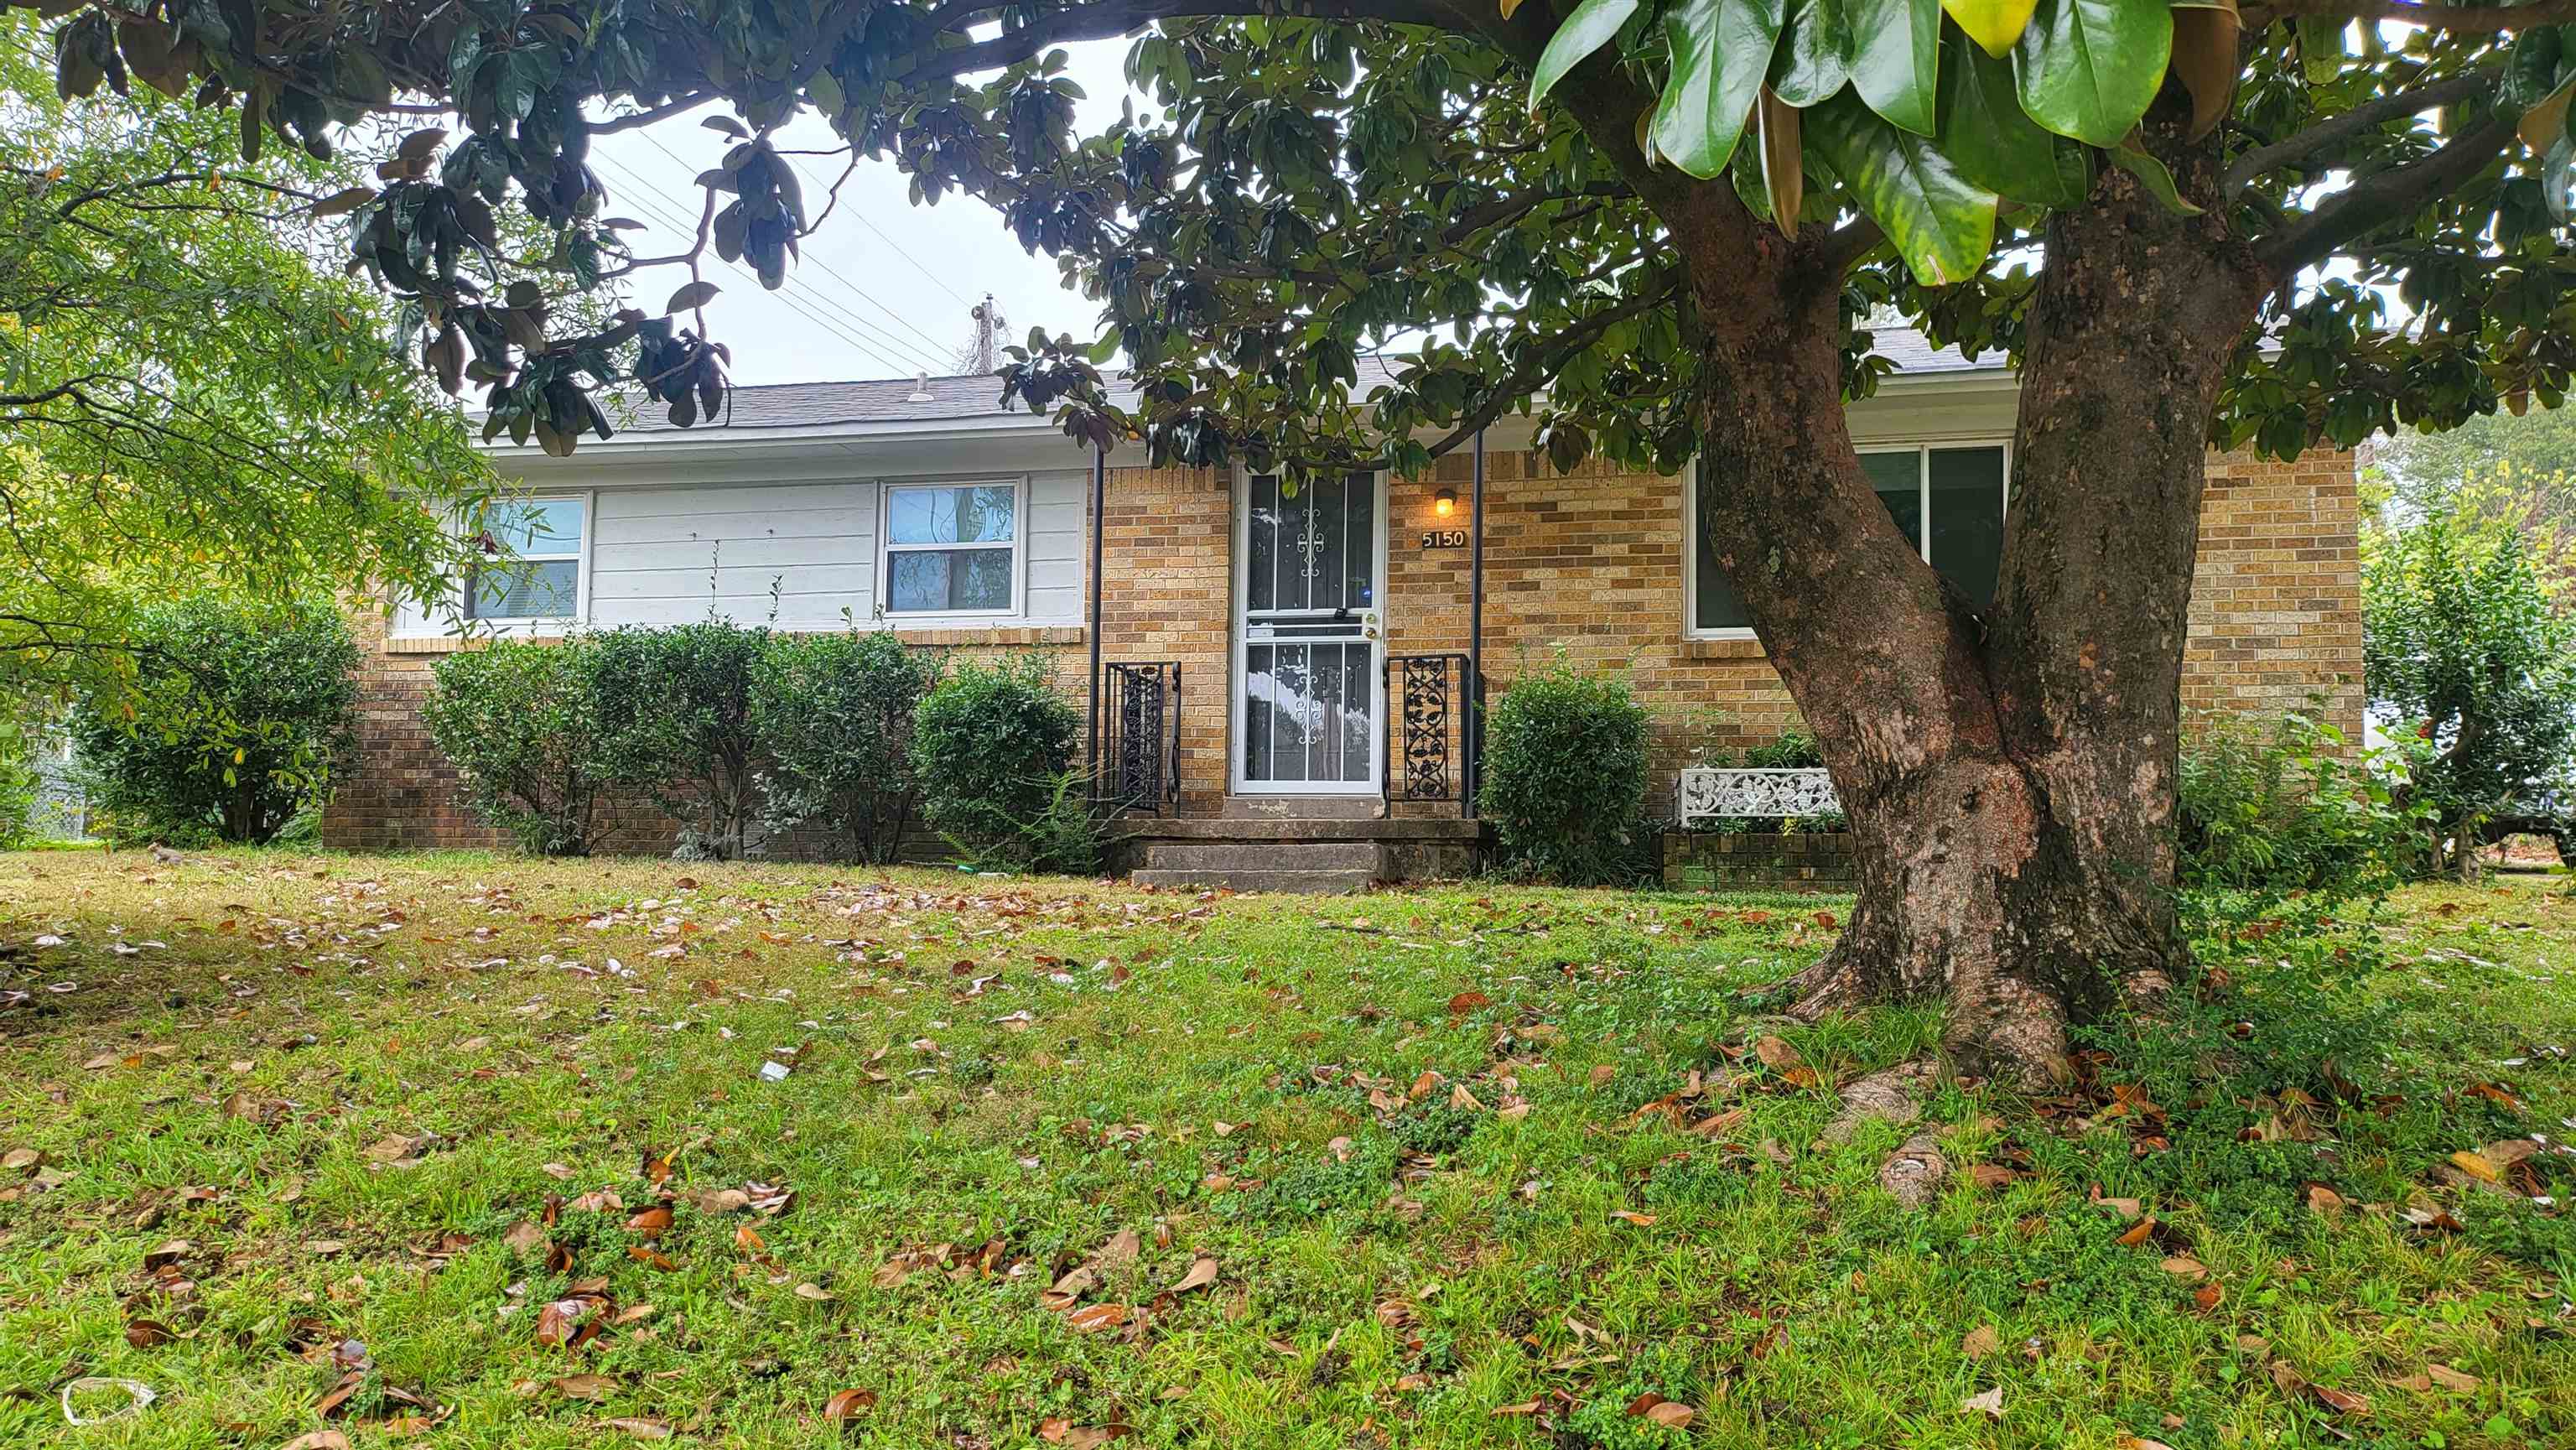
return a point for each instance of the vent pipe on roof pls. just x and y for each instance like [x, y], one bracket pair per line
[921, 389]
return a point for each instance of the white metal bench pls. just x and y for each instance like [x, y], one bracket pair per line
[1710, 793]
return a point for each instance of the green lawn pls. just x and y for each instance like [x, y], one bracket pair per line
[329, 1143]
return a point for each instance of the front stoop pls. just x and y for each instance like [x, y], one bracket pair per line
[1312, 851]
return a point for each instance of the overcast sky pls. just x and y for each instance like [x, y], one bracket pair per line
[885, 285]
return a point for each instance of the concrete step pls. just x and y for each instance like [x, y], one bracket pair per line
[1310, 883]
[1223, 856]
[1303, 808]
[1142, 829]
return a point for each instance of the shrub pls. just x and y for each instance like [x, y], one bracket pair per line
[675, 724]
[1565, 774]
[835, 712]
[520, 722]
[229, 726]
[992, 747]
[2463, 643]
[2273, 810]
[18, 778]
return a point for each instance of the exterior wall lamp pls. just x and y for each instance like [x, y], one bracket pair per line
[1445, 502]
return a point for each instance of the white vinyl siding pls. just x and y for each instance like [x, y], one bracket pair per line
[669, 554]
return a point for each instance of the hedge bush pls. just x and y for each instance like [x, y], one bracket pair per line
[521, 722]
[230, 726]
[675, 725]
[835, 714]
[993, 749]
[1565, 775]
[2275, 809]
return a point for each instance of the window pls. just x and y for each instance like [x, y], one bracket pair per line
[952, 548]
[531, 570]
[1959, 490]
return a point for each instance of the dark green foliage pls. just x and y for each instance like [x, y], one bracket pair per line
[676, 724]
[992, 748]
[2279, 809]
[1565, 774]
[521, 722]
[272, 682]
[835, 714]
[2466, 649]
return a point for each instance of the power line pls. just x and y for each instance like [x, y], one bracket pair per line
[846, 324]
[881, 307]
[826, 268]
[907, 256]
[877, 349]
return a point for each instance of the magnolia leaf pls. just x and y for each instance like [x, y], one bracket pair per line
[690, 296]
[1816, 49]
[1721, 51]
[1942, 223]
[2546, 122]
[1592, 25]
[1993, 24]
[2090, 68]
[341, 203]
[1782, 176]
[1987, 136]
[1895, 67]
[2321, 45]
[2133, 159]
[2205, 60]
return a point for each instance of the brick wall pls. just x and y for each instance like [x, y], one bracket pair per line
[2276, 600]
[1590, 564]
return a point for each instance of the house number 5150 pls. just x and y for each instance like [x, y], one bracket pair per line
[1444, 538]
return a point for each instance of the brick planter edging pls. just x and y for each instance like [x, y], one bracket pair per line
[1797, 861]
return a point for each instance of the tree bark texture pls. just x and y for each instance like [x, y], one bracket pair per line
[2009, 774]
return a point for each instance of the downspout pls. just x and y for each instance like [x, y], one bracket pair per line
[1475, 682]
[1099, 500]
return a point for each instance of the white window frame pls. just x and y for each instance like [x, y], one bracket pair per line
[1923, 452]
[540, 623]
[887, 548]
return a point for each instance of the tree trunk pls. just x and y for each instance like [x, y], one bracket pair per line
[2009, 777]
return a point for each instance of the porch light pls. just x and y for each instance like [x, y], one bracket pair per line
[1445, 502]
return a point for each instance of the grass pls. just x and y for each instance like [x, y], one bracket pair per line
[353, 1123]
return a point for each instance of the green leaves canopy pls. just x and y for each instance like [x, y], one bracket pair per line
[1296, 192]
[2082, 69]
[188, 400]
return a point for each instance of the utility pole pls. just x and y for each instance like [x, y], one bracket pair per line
[988, 327]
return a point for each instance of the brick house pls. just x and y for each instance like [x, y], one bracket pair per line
[1282, 676]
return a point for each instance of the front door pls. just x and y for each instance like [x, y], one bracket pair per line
[1307, 711]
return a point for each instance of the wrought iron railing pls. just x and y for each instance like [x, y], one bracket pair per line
[1432, 748]
[1706, 793]
[1140, 758]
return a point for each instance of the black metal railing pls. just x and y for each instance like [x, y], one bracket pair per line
[1434, 742]
[1140, 757]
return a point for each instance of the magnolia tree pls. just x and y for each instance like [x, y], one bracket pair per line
[1659, 225]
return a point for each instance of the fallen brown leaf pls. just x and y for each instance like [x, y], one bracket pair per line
[1202, 1273]
[849, 1405]
[1095, 1317]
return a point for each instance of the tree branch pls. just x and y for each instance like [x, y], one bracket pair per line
[2414, 12]
[640, 119]
[2360, 120]
[1838, 249]
[1537, 373]
[2377, 200]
